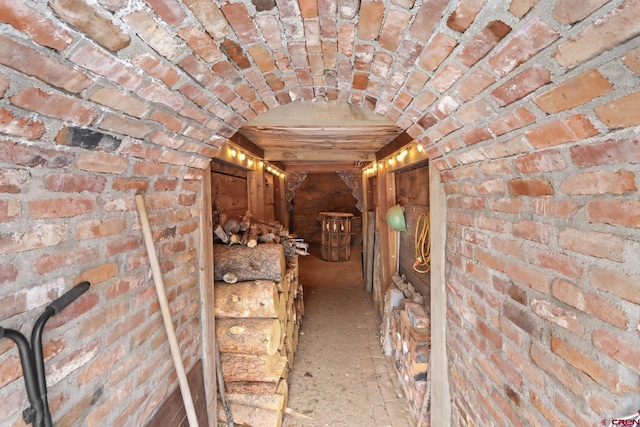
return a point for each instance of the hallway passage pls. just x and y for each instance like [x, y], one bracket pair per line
[340, 377]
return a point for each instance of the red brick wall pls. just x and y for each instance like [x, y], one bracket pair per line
[527, 107]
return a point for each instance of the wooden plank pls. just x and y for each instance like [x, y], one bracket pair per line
[205, 266]
[393, 146]
[247, 144]
[172, 412]
[255, 192]
[322, 167]
[320, 155]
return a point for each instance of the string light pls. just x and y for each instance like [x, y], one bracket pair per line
[242, 157]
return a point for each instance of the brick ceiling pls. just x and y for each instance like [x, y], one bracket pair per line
[219, 64]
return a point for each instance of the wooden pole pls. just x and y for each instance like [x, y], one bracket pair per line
[166, 314]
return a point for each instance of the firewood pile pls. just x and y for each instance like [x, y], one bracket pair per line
[258, 321]
[250, 231]
[406, 336]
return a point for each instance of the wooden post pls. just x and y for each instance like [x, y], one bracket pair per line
[205, 265]
[255, 191]
[440, 393]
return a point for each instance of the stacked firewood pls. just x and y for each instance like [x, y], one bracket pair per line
[406, 336]
[250, 231]
[257, 326]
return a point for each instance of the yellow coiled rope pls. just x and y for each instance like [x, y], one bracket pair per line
[422, 244]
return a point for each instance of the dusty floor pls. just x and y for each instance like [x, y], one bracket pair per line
[340, 377]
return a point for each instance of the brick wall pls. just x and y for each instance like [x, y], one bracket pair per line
[528, 108]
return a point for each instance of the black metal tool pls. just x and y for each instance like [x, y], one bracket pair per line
[32, 358]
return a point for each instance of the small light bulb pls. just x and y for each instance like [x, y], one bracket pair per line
[242, 156]
[233, 152]
[390, 161]
[420, 148]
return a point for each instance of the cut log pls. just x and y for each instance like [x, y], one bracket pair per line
[273, 401]
[249, 367]
[262, 262]
[253, 236]
[250, 336]
[258, 299]
[252, 387]
[250, 416]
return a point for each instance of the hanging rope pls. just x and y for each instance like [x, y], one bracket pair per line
[422, 245]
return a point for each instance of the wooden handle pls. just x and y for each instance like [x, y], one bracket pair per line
[166, 314]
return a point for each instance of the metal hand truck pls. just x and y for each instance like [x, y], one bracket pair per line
[32, 358]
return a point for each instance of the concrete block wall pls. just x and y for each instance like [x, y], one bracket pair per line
[526, 107]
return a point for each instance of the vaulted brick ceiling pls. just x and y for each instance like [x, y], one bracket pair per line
[219, 64]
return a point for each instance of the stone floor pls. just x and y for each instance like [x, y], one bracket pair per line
[340, 377]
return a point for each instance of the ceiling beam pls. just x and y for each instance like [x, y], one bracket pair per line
[317, 167]
[318, 156]
[246, 144]
[400, 141]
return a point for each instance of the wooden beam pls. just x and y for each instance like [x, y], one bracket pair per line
[334, 155]
[205, 266]
[246, 144]
[255, 192]
[320, 167]
[400, 141]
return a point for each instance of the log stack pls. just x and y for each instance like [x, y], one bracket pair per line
[257, 325]
[406, 336]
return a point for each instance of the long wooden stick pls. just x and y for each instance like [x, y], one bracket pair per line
[166, 314]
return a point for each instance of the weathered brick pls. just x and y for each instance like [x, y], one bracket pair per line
[534, 231]
[615, 282]
[439, 49]
[38, 236]
[201, 43]
[507, 148]
[156, 68]
[98, 275]
[557, 369]
[568, 129]
[29, 21]
[65, 258]
[462, 18]
[4, 85]
[540, 161]
[474, 83]
[625, 213]
[235, 53]
[124, 126]
[54, 105]
[600, 182]
[154, 35]
[86, 19]
[483, 42]
[371, 14]
[527, 276]
[560, 263]
[534, 36]
[122, 245]
[9, 210]
[568, 408]
[262, 5]
[606, 152]
[632, 60]
[521, 318]
[621, 112]
[445, 78]
[618, 349]
[607, 32]
[554, 314]
[121, 101]
[546, 206]
[74, 183]
[137, 184]
[64, 207]
[521, 7]
[601, 245]
[169, 121]
[102, 163]
[518, 118]
[196, 69]
[242, 24]
[169, 10]
[262, 58]
[519, 86]
[162, 95]
[574, 92]
[14, 181]
[530, 187]
[427, 18]
[28, 61]
[327, 17]
[22, 127]
[102, 64]
[346, 36]
[210, 16]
